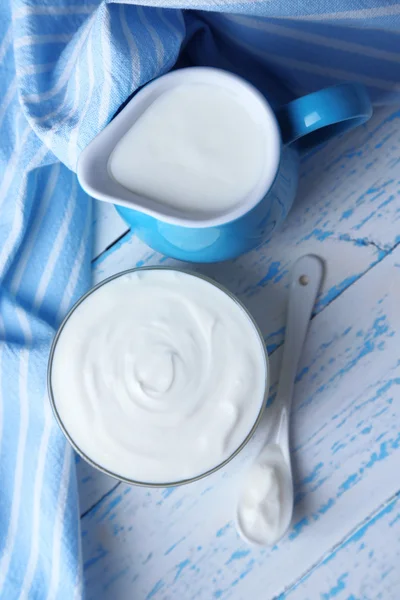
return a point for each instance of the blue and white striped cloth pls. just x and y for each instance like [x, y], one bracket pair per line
[66, 67]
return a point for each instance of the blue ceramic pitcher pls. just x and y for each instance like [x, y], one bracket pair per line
[296, 127]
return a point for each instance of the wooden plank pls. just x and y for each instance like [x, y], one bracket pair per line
[365, 565]
[181, 543]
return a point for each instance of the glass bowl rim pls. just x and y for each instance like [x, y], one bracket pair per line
[106, 471]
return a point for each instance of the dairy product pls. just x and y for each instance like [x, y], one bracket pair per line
[158, 376]
[197, 149]
[265, 506]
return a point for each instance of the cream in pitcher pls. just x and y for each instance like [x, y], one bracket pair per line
[197, 149]
[202, 167]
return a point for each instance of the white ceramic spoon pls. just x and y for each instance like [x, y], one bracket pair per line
[265, 504]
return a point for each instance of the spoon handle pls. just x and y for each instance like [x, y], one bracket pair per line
[306, 278]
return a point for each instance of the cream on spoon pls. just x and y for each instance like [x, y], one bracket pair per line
[265, 504]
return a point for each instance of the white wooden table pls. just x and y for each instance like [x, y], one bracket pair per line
[180, 543]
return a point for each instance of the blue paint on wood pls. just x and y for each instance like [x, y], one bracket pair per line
[366, 430]
[346, 214]
[348, 484]
[238, 555]
[325, 507]
[385, 573]
[243, 574]
[272, 272]
[223, 530]
[318, 234]
[303, 372]
[370, 164]
[168, 491]
[298, 528]
[337, 588]
[384, 140]
[123, 240]
[272, 347]
[383, 451]
[158, 586]
[380, 412]
[388, 201]
[92, 561]
[279, 277]
[335, 290]
[110, 506]
[115, 578]
[279, 332]
[379, 327]
[171, 548]
[178, 504]
[395, 520]
[313, 475]
[180, 567]
[338, 445]
[359, 534]
[382, 390]
[365, 220]
[117, 529]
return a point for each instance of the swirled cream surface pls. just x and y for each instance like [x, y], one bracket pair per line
[158, 376]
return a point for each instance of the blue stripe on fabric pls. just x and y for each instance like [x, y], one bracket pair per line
[66, 514]
[9, 426]
[54, 291]
[130, 47]
[310, 51]
[366, 36]
[296, 71]
[25, 521]
[36, 244]
[48, 23]
[174, 21]
[20, 433]
[49, 496]
[296, 31]
[12, 185]
[137, 17]
[371, 12]
[36, 190]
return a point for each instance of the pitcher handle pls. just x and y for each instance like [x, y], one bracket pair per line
[313, 119]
